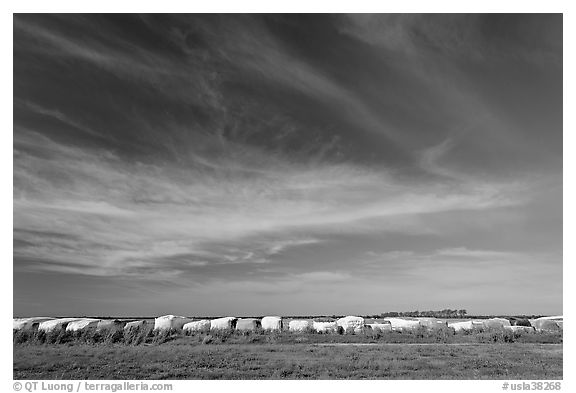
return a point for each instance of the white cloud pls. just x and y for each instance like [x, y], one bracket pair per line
[281, 245]
[464, 252]
[458, 36]
[472, 265]
[107, 51]
[53, 113]
[131, 212]
[321, 276]
[391, 255]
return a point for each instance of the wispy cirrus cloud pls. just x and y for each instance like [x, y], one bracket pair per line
[511, 275]
[61, 117]
[138, 215]
[450, 254]
[265, 154]
[108, 52]
[458, 35]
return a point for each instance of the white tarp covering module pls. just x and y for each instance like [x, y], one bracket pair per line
[247, 324]
[384, 327]
[135, 325]
[110, 324]
[82, 324]
[520, 328]
[403, 324]
[462, 325]
[555, 318]
[496, 323]
[197, 326]
[56, 324]
[298, 325]
[31, 323]
[324, 327]
[478, 324]
[223, 323]
[431, 323]
[356, 324]
[168, 322]
[272, 323]
[546, 324]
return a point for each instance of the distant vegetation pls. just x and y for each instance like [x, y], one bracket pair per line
[447, 313]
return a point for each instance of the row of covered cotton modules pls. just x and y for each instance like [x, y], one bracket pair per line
[349, 324]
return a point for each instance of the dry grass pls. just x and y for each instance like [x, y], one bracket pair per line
[185, 358]
[228, 354]
[148, 336]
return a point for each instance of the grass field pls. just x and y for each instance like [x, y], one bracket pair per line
[233, 355]
[180, 360]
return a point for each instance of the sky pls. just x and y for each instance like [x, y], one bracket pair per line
[287, 164]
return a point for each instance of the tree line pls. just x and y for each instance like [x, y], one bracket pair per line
[446, 313]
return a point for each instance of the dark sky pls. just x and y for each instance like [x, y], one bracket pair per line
[287, 164]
